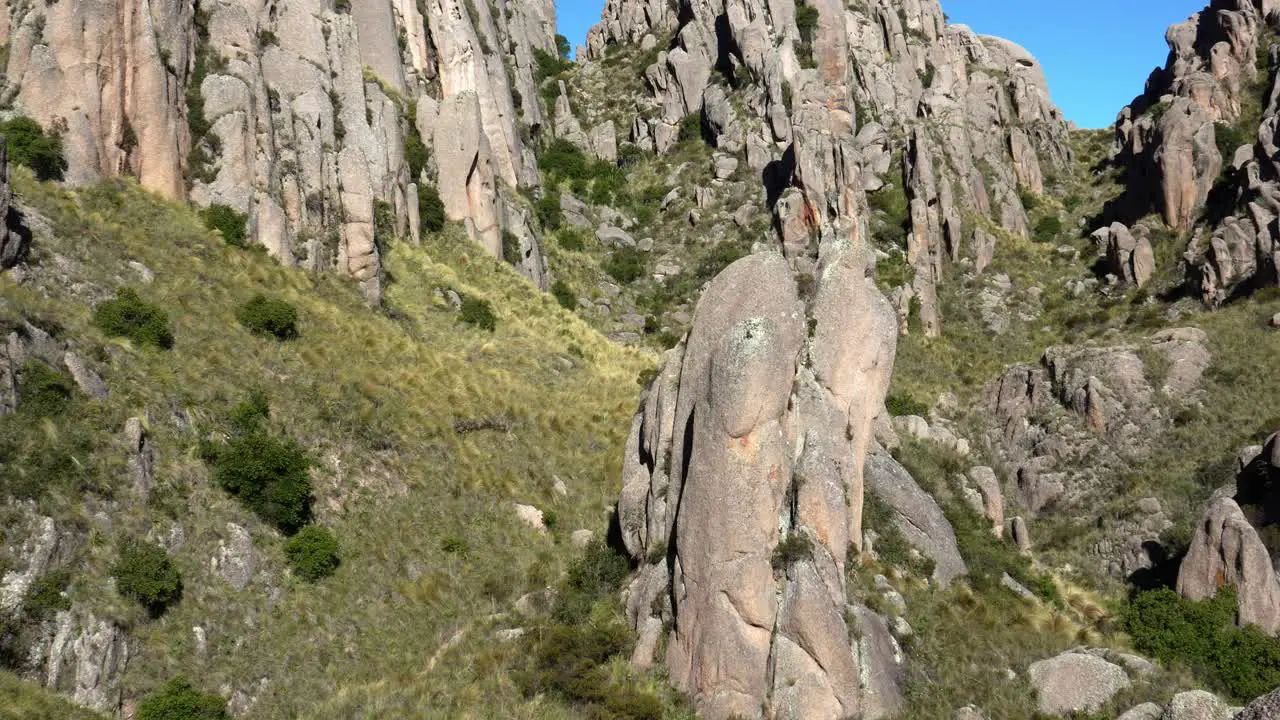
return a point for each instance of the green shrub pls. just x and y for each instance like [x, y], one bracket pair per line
[145, 573]
[384, 223]
[794, 548]
[179, 700]
[892, 210]
[548, 210]
[232, 225]
[129, 316]
[899, 404]
[313, 553]
[564, 295]
[625, 265]
[477, 311]
[342, 6]
[1047, 228]
[720, 256]
[807, 23]
[430, 208]
[29, 145]
[547, 65]
[691, 128]
[43, 391]
[1229, 138]
[562, 46]
[264, 315]
[511, 248]
[416, 155]
[563, 160]
[269, 475]
[44, 596]
[571, 239]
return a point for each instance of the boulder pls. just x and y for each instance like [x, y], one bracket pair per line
[1075, 682]
[1266, 707]
[1196, 705]
[1226, 550]
[916, 515]
[235, 559]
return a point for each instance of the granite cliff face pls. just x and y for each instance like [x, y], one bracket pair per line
[1198, 146]
[822, 99]
[297, 114]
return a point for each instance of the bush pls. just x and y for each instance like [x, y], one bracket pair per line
[1047, 229]
[145, 573]
[478, 312]
[562, 46]
[269, 475]
[430, 208]
[691, 128]
[571, 239]
[564, 160]
[898, 405]
[547, 65]
[1244, 663]
[264, 315]
[43, 391]
[794, 548]
[511, 248]
[44, 596]
[129, 316]
[625, 265]
[29, 145]
[548, 210]
[313, 553]
[232, 225]
[179, 700]
[1229, 138]
[563, 295]
[416, 155]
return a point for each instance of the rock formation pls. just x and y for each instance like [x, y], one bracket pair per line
[1198, 146]
[298, 115]
[975, 112]
[1227, 548]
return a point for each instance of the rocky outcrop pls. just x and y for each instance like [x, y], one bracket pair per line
[1075, 682]
[1066, 427]
[916, 515]
[974, 111]
[743, 486]
[1227, 548]
[14, 239]
[1198, 145]
[1264, 708]
[84, 658]
[297, 115]
[1128, 257]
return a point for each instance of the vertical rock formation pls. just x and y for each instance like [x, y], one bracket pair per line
[294, 113]
[1228, 548]
[1199, 145]
[744, 485]
[975, 112]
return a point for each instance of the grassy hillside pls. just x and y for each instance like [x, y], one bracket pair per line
[25, 701]
[384, 402]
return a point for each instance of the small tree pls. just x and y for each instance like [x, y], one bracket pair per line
[477, 311]
[430, 208]
[564, 295]
[232, 225]
[29, 145]
[270, 475]
[313, 553]
[179, 700]
[264, 315]
[43, 391]
[129, 316]
[145, 573]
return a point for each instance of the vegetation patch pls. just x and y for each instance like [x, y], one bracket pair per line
[1241, 662]
[29, 145]
[229, 223]
[145, 573]
[430, 209]
[178, 699]
[478, 312]
[312, 553]
[131, 317]
[269, 316]
[43, 391]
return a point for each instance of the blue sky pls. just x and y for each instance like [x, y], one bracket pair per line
[1096, 53]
